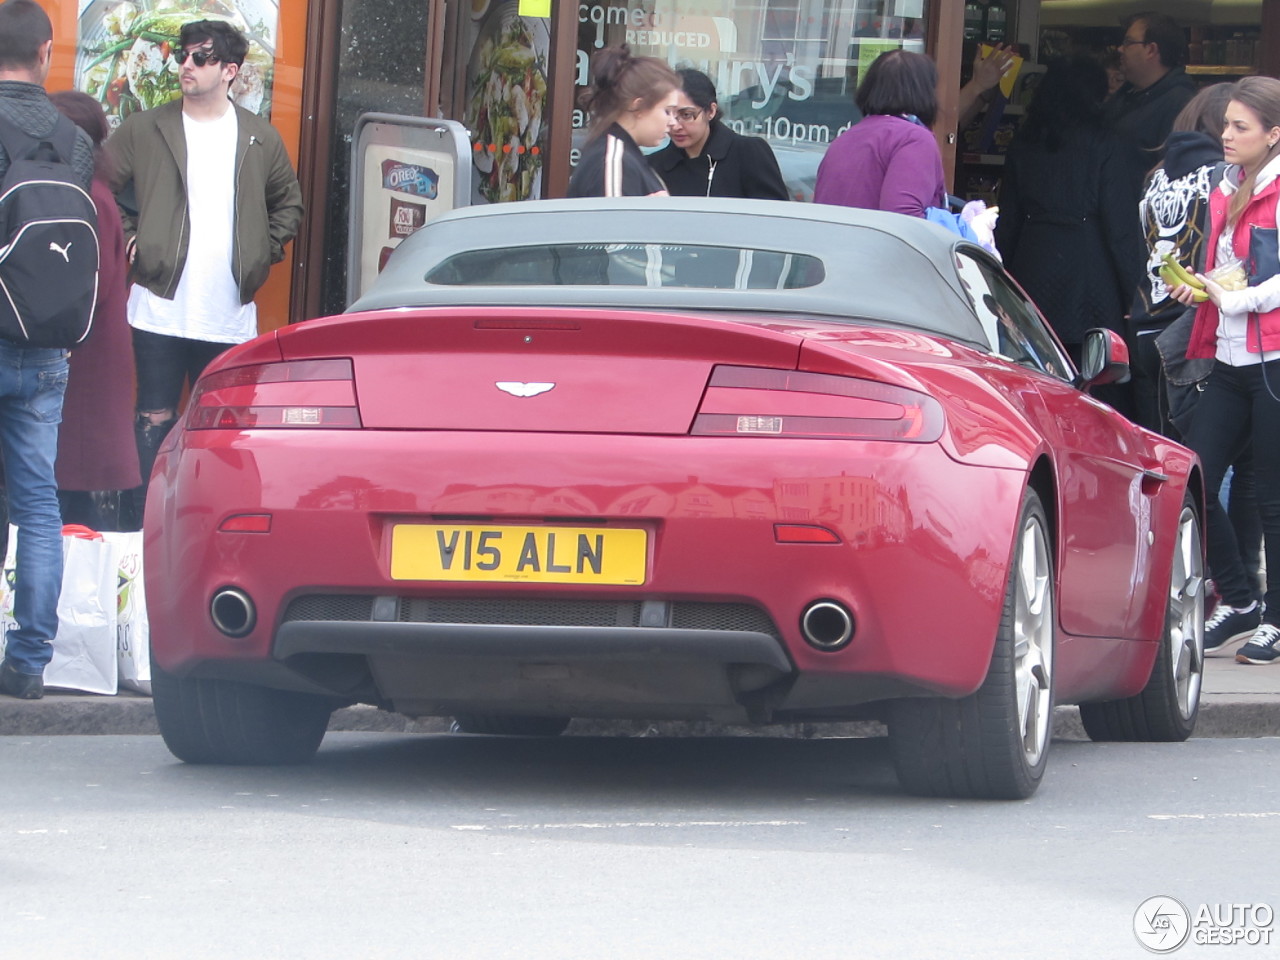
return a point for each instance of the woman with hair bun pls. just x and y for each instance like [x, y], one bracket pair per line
[707, 159]
[631, 102]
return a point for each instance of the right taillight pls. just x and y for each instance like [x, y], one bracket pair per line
[315, 394]
[759, 402]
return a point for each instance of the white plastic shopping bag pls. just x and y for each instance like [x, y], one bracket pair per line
[84, 650]
[132, 633]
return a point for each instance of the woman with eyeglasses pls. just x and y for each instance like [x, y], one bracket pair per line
[707, 159]
[630, 101]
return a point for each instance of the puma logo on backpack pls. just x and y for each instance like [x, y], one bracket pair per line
[48, 241]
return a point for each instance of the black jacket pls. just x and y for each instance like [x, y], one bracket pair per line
[730, 165]
[1068, 229]
[612, 165]
[1143, 118]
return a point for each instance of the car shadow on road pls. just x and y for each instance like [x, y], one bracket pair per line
[577, 770]
[767, 768]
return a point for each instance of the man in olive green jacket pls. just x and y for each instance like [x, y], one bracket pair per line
[209, 200]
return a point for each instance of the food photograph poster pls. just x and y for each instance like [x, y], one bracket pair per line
[506, 100]
[125, 54]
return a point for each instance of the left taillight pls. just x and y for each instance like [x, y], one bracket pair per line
[760, 402]
[318, 394]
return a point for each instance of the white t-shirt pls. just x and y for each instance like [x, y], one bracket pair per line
[206, 305]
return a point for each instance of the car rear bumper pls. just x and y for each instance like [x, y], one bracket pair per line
[531, 643]
[442, 668]
[921, 563]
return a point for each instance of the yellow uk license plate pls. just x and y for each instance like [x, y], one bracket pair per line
[518, 554]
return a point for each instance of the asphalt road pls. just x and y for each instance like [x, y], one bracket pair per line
[438, 846]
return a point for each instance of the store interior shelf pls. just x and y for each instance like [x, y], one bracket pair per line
[1220, 70]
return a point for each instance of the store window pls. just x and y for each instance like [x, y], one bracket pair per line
[122, 53]
[785, 70]
[382, 55]
[125, 52]
[505, 100]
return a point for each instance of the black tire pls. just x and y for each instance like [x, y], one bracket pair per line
[994, 743]
[224, 722]
[1166, 709]
[501, 725]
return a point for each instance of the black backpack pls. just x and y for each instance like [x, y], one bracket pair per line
[48, 241]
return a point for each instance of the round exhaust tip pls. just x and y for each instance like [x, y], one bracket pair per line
[826, 625]
[233, 612]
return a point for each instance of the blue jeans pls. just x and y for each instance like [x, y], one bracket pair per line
[1237, 413]
[32, 383]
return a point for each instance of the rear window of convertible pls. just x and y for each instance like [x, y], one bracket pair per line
[630, 265]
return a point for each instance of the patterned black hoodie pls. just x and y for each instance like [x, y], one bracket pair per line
[1175, 219]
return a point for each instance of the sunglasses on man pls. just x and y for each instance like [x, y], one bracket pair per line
[198, 57]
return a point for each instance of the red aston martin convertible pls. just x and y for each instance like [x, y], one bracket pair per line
[670, 459]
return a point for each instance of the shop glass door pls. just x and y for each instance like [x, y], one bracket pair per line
[784, 70]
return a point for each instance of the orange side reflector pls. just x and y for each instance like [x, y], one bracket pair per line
[247, 523]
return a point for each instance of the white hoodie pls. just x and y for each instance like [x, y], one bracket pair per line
[1236, 305]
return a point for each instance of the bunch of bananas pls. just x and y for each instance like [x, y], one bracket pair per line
[1175, 274]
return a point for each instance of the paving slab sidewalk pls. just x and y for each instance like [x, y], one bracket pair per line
[1237, 701]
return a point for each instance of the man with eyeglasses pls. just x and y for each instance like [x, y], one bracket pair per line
[1152, 57]
[209, 201]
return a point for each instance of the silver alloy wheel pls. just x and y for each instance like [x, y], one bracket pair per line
[1033, 639]
[1185, 631]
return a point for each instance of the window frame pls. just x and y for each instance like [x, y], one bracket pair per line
[1038, 347]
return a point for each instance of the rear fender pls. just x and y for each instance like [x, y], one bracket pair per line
[983, 401]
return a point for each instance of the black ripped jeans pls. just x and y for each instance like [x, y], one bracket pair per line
[164, 365]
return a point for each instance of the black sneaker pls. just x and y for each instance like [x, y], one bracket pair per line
[1227, 625]
[1263, 648]
[24, 686]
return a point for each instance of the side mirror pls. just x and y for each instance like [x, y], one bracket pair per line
[1104, 358]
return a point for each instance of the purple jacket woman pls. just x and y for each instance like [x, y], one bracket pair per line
[882, 163]
[889, 160]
